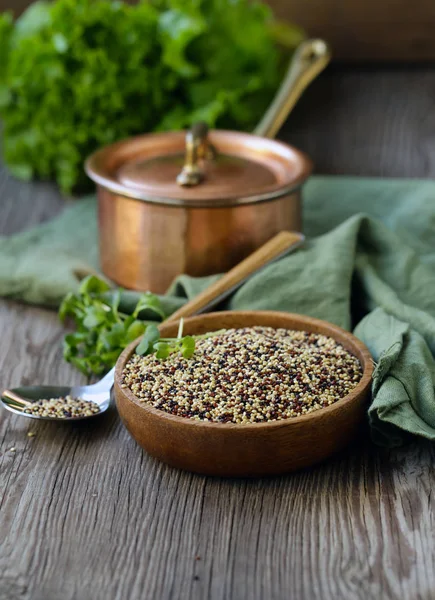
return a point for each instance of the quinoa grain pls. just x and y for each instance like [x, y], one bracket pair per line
[249, 375]
[63, 408]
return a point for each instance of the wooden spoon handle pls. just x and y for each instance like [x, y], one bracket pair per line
[278, 246]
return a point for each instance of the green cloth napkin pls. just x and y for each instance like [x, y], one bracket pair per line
[368, 265]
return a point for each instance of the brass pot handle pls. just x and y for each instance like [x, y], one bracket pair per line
[198, 149]
[309, 59]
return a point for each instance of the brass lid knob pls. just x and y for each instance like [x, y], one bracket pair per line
[198, 150]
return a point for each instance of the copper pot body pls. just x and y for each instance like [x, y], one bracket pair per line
[144, 246]
[153, 228]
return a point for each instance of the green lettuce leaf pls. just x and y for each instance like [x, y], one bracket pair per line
[79, 74]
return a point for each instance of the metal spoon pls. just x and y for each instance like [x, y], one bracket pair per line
[18, 399]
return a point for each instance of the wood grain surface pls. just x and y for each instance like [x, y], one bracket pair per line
[367, 29]
[357, 29]
[86, 515]
[368, 121]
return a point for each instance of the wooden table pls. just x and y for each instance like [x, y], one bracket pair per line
[86, 515]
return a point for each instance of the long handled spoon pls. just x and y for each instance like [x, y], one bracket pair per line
[19, 399]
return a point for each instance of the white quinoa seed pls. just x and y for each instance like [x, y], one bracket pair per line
[249, 375]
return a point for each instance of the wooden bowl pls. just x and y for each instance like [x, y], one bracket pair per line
[256, 449]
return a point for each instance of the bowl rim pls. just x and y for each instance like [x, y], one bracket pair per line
[363, 384]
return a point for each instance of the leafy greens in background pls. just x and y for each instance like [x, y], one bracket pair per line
[79, 74]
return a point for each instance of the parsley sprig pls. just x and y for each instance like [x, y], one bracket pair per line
[102, 330]
[152, 343]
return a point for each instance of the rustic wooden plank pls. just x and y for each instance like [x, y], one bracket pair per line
[358, 30]
[85, 514]
[87, 505]
[362, 30]
[368, 121]
[24, 205]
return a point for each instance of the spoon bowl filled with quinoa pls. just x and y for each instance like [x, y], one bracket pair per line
[268, 393]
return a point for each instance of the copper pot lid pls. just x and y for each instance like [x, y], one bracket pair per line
[200, 168]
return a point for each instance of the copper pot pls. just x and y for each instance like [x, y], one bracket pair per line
[198, 203]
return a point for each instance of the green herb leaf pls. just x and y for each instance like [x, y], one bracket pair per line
[111, 338]
[149, 302]
[150, 336]
[109, 357]
[67, 306]
[143, 347]
[115, 302]
[188, 342]
[94, 316]
[135, 330]
[152, 333]
[33, 21]
[187, 346]
[163, 347]
[187, 352]
[93, 285]
[81, 364]
[162, 350]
